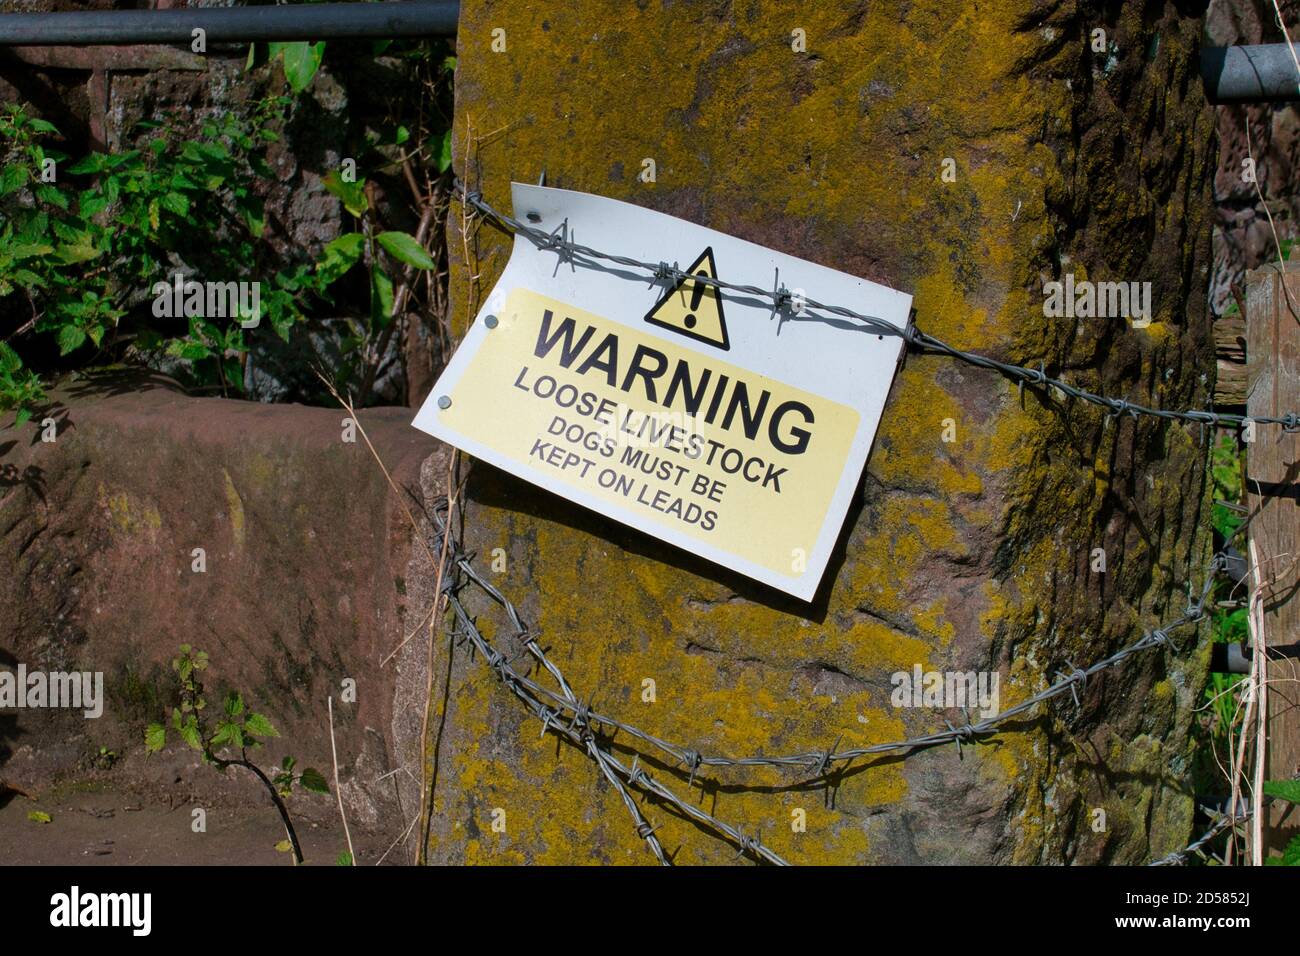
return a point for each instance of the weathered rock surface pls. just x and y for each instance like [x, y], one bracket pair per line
[964, 555]
[306, 552]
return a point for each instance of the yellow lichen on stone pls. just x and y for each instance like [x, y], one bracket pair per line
[235, 505]
[975, 500]
[129, 518]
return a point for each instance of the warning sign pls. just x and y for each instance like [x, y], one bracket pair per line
[694, 308]
[740, 442]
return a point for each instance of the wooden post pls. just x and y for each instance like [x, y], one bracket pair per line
[1273, 489]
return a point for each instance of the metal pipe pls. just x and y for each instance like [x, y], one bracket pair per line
[314, 21]
[1229, 658]
[1249, 74]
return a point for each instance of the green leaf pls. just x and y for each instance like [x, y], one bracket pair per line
[405, 248]
[228, 733]
[70, 255]
[1291, 855]
[39, 816]
[52, 195]
[339, 256]
[314, 781]
[92, 204]
[69, 234]
[188, 349]
[190, 733]
[155, 738]
[9, 360]
[93, 163]
[353, 195]
[33, 228]
[444, 152]
[1288, 790]
[120, 160]
[70, 339]
[381, 299]
[255, 218]
[234, 704]
[175, 203]
[42, 126]
[259, 726]
[12, 178]
[301, 61]
[26, 250]
[344, 859]
[284, 846]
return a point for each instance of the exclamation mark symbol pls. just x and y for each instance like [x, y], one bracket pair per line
[697, 293]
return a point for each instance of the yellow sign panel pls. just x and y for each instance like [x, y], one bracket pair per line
[670, 439]
[693, 308]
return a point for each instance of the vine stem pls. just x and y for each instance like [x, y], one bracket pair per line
[275, 798]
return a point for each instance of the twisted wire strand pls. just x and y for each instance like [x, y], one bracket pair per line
[548, 705]
[575, 253]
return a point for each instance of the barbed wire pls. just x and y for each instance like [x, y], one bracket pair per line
[568, 715]
[1224, 821]
[583, 728]
[574, 253]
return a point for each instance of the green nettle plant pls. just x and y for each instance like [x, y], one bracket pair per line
[82, 246]
[1288, 790]
[86, 258]
[225, 741]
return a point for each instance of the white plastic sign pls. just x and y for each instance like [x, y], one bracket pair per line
[705, 417]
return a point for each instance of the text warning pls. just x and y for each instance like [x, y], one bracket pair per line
[740, 439]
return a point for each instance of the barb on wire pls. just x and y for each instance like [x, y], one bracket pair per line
[580, 730]
[820, 762]
[1224, 821]
[582, 722]
[576, 254]
[565, 714]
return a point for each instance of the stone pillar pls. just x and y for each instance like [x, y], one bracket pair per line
[969, 554]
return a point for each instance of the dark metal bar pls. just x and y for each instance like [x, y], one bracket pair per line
[1250, 74]
[1229, 658]
[313, 21]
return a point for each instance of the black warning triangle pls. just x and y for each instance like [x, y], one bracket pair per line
[693, 308]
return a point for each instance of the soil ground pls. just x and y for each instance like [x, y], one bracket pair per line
[96, 825]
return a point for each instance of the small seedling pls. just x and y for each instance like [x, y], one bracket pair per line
[233, 732]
